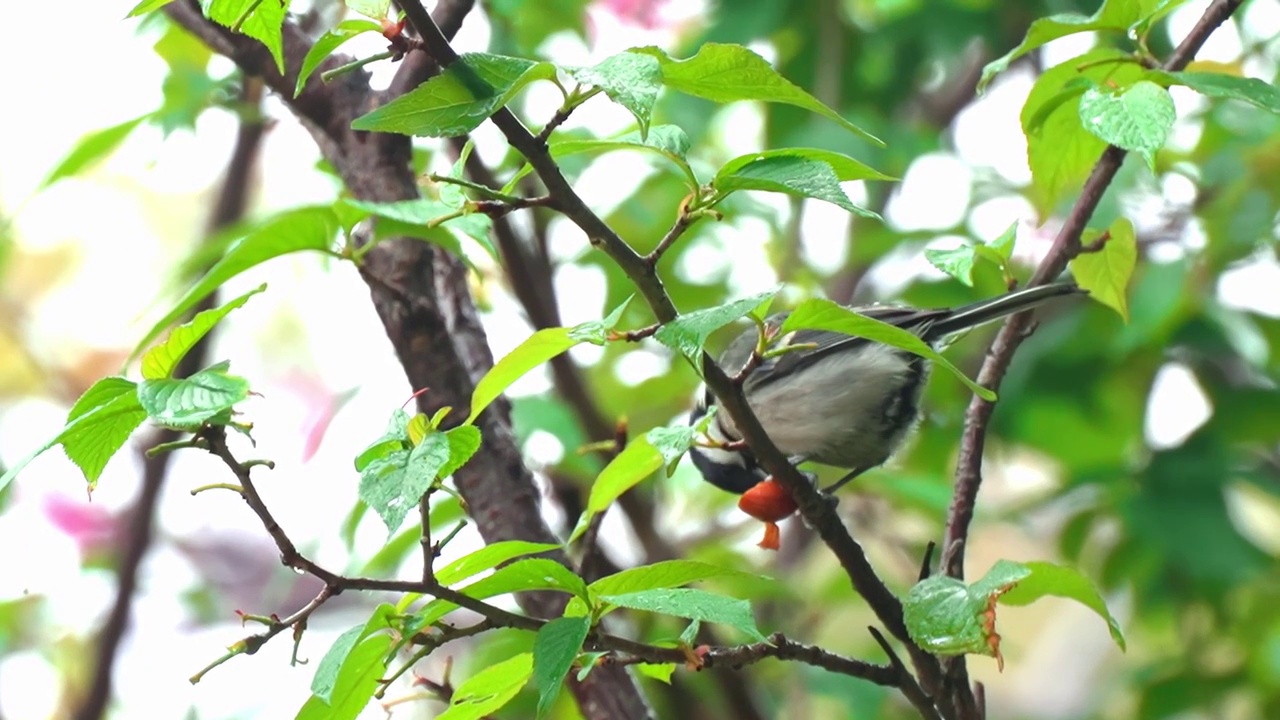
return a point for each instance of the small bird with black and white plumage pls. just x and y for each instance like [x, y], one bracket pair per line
[840, 400]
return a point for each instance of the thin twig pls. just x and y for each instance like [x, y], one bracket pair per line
[556, 121]
[904, 680]
[926, 565]
[778, 646]
[428, 550]
[683, 222]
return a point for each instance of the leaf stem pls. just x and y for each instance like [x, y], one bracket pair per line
[354, 65]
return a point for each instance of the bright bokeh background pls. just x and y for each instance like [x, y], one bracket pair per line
[90, 268]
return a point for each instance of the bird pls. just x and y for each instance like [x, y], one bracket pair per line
[838, 400]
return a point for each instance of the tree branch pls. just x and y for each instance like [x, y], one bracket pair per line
[626, 651]
[1066, 246]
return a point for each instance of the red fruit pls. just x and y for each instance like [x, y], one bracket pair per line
[767, 501]
[770, 502]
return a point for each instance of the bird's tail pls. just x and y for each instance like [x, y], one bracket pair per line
[985, 311]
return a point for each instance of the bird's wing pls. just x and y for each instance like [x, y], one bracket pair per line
[826, 342]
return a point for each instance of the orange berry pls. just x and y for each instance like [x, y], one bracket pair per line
[767, 501]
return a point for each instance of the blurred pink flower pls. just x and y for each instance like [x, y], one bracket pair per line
[93, 527]
[320, 404]
[645, 13]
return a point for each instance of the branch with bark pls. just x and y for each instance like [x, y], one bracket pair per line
[1066, 246]
[621, 651]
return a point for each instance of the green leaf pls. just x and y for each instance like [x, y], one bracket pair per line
[328, 44]
[308, 228]
[519, 576]
[688, 333]
[464, 441]
[537, 349]
[660, 446]
[1060, 581]
[821, 314]
[395, 438]
[1070, 90]
[94, 437]
[422, 218]
[488, 557]
[387, 228]
[452, 194]
[147, 6]
[262, 20]
[90, 149]
[1138, 119]
[459, 99]
[956, 262]
[630, 79]
[1117, 15]
[161, 360]
[376, 9]
[187, 403]
[661, 672]
[664, 574]
[528, 574]
[94, 426]
[637, 461]
[100, 394]
[960, 262]
[330, 667]
[728, 73]
[692, 604]
[945, 617]
[1060, 152]
[393, 485]
[667, 140]
[361, 672]
[1105, 273]
[1003, 245]
[489, 690]
[808, 172]
[672, 442]
[1000, 578]
[1258, 93]
[326, 676]
[596, 332]
[554, 650]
